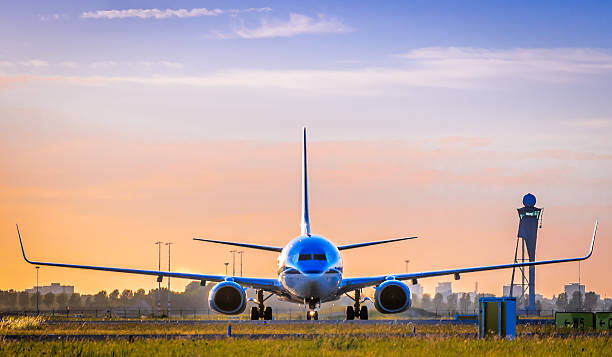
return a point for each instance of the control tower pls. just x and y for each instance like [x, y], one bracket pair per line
[529, 222]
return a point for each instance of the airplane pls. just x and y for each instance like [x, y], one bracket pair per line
[310, 272]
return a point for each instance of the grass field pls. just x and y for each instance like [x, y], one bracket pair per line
[307, 340]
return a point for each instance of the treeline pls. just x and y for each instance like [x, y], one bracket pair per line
[456, 302]
[462, 302]
[588, 302]
[194, 297]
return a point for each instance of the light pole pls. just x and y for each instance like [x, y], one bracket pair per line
[169, 244]
[406, 261]
[240, 252]
[233, 261]
[226, 264]
[37, 309]
[158, 280]
[579, 290]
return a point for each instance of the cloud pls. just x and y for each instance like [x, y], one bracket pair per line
[173, 65]
[5, 64]
[424, 69]
[536, 63]
[68, 64]
[51, 17]
[591, 123]
[165, 13]
[297, 24]
[102, 64]
[235, 12]
[35, 63]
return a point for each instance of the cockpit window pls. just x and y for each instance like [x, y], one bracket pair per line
[319, 257]
[305, 257]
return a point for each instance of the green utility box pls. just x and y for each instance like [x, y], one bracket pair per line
[603, 321]
[578, 320]
[497, 317]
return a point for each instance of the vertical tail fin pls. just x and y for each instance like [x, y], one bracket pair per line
[305, 225]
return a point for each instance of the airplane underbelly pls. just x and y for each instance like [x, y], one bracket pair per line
[305, 286]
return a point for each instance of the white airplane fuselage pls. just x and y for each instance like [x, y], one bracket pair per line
[310, 269]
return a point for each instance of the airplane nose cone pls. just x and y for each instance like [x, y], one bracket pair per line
[312, 287]
[315, 285]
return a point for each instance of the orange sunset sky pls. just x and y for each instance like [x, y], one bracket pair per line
[104, 200]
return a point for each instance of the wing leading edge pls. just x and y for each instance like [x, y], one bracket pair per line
[265, 284]
[357, 283]
[245, 245]
[365, 244]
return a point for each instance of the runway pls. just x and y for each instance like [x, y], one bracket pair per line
[250, 336]
[294, 322]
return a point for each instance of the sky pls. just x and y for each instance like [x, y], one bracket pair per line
[123, 123]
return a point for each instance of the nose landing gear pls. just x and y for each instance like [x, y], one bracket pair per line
[261, 311]
[356, 311]
[312, 315]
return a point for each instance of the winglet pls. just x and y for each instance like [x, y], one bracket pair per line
[305, 224]
[592, 240]
[21, 243]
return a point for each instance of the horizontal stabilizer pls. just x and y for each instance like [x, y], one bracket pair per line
[245, 245]
[365, 244]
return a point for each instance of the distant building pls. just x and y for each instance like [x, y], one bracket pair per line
[607, 303]
[417, 290]
[445, 289]
[517, 290]
[54, 288]
[473, 296]
[570, 289]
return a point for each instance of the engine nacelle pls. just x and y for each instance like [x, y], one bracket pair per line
[228, 298]
[392, 296]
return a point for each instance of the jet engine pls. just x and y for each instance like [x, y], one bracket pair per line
[227, 297]
[392, 296]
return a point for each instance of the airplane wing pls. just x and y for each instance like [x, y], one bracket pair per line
[365, 244]
[246, 245]
[272, 285]
[349, 284]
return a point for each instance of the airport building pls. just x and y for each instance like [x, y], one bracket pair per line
[417, 290]
[570, 289]
[54, 288]
[517, 290]
[445, 289]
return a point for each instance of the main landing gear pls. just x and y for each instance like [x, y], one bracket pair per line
[356, 311]
[260, 311]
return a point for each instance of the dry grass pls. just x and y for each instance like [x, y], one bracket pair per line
[341, 339]
[24, 323]
[319, 346]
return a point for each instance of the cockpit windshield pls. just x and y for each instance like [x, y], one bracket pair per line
[305, 257]
[308, 256]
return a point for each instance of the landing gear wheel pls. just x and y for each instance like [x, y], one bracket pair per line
[308, 316]
[363, 313]
[254, 313]
[268, 313]
[316, 315]
[350, 313]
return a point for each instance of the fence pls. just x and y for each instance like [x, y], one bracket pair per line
[337, 313]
